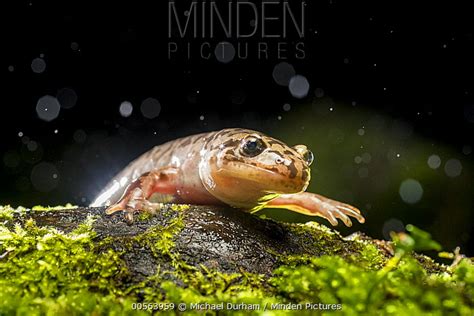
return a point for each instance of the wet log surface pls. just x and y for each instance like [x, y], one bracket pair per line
[225, 239]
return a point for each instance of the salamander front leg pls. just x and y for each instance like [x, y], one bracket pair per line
[135, 197]
[317, 205]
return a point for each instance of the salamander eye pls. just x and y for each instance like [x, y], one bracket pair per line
[252, 147]
[308, 157]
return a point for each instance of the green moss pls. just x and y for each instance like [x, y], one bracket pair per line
[53, 208]
[179, 207]
[7, 212]
[46, 271]
[160, 238]
[407, 290]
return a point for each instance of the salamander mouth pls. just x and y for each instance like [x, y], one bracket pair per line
[267, 180]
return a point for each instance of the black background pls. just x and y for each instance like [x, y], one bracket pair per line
[423, 54]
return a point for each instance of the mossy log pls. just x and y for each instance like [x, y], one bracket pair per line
[225, 239]
[82, 261]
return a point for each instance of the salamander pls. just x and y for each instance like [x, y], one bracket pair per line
[242, 168]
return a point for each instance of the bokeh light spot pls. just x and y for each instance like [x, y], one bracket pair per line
[79, 136]
[366, 158]
[150, 108]
[411, 191]
[74, 46]
[319, 93]
[44, 177]
[282, 73]
[48, 108]
[466, 150]
[392, 225]
[126, 109]
[11, 159]
[299, 86]
[434, 161]
[38, 65]
[453, 168]
[363, 172]
[67, 97]
[469, 113]
[32, 145]
[225, 52]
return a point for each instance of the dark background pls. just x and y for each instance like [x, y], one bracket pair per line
[412, 63]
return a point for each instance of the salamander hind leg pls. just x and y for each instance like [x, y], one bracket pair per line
[136, 196]
[317, 205]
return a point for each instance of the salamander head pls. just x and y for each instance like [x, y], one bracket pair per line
[246, 168]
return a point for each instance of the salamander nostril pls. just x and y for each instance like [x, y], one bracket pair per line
[279, 160]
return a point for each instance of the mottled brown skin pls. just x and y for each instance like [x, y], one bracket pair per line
[238, 167]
